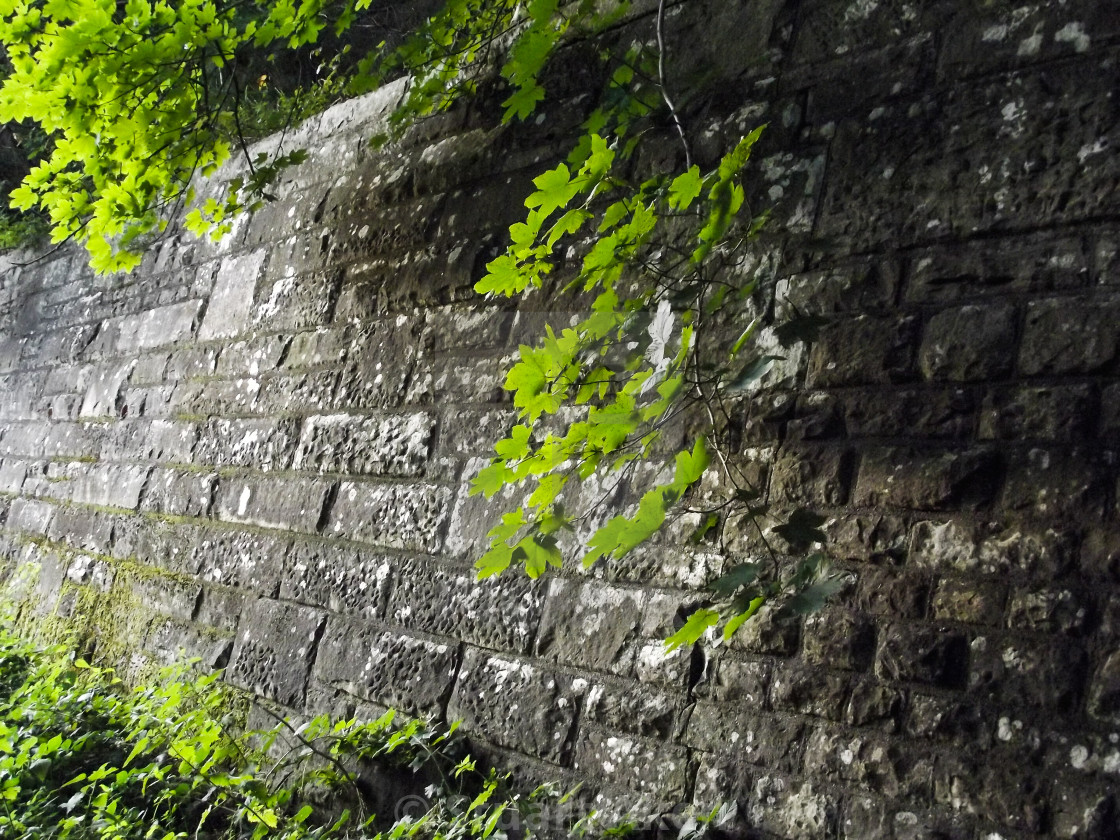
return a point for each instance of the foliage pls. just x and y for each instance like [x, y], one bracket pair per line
[138, 97]
[84, 757]
[655, 258]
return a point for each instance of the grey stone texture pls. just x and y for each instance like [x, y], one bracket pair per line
[258, 451]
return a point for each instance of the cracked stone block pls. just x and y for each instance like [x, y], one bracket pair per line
[501, 612]
[344, 580]
[516, 704]
[294, 504]
[232, 299]
[102, 396]
[406, 516]
[396, 445]
[274, 649]
[386, 667]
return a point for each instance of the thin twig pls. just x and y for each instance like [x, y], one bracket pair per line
[664, 89]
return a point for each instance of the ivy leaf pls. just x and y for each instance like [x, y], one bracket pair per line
[685, 188]
[802, 529]
[739, 576]
[495, 561]
[736, 621]
[490, 479]
[812, 599]
[697, 624]
[751, 373]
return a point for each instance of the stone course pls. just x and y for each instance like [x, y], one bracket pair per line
[257, 451]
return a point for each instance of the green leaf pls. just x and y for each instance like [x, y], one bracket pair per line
[736, 621]
[751, 373]
[697, 624]
[738, 576]
[812, 598]
[685, 188]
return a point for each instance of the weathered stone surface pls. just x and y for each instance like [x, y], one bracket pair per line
[920, 481]
[275, 646]
[295, 504]
[1104, 690]
[1069, 336]
[345, 580]
[1040, 677]
[383, 666]
[969, 343]
[968, 601]
[1052, 414]
[809, 691]
[500, 613]
[516, 704]
[932, 655]
[389, 445]
[864, 350]
[635, 709]
[392, 515]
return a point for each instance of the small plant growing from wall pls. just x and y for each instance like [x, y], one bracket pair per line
[139, 98]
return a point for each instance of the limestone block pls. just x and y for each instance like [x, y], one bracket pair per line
[903, 478]
[1058, 483]
[1048, 611]
[1051, 414]
[932, 655]
[635, 709]
[647, 767]
[393, 444]
[737, 681]
[1064, 336]
[30, 516]
[245, 559]
[809, 690]
[344, 580]
[171, 441]
[407, 516]
[297, 302]
[516, 704]
[263, 444]
[949, 719]
[872, 702]
[811, 476]
[386, 667]
[864, 350]
[1047, 675]
[82, 528]
[157, 327]
[589, 625]
[768, 632]
[109, 485]
[873, 764]
[969, 343]
[838, 638]
[501, 612]
[176, 493]
[791, 809]
[969, 601]
[251, 356]
[754, 737]
[294, 504]
[12, 474]
[274, 649]
[102, 396]
[890, 591]
[231, 302]
[1104, 691]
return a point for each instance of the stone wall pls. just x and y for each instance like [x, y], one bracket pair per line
[257, 451]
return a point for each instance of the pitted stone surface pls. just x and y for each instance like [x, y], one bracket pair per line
[274, 649]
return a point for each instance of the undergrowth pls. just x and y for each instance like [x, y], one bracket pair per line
[85, 757]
